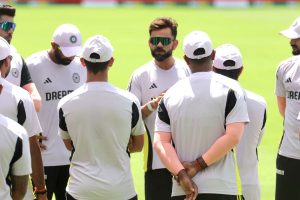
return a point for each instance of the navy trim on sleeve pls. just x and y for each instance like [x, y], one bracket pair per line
[163, 113]
[17, 155]
[62, 121]
[25, 75]
[230, 102]
[265, 119]
[21, 113]
[135, 115]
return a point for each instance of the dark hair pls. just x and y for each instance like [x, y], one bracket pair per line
[7, 10]
[234, 73]
[1, 62]
[164, 22]
[96, 67]
[200, 61]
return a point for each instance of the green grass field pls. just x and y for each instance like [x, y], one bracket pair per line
[253, 30]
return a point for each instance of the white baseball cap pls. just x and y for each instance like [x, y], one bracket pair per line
[197, 45]
[68, 38]
[5, 49]
[100, 45]
[293, 32]
[228, 57]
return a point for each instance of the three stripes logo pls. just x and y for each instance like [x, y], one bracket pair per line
[153, 86]
[289, 80]
[48, 80]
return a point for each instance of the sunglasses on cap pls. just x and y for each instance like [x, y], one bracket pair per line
[163, 40]
[6, 26]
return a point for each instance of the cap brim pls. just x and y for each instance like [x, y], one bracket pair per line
[71, 51]
[291, 34]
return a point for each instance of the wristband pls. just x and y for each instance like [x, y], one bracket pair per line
[201, 162]
[150, 108]
[40, 192]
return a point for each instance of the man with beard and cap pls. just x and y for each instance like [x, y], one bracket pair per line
[56, 73]
[19, 74]
[287, 90]
[149, 83]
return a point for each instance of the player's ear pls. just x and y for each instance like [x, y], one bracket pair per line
[111, 62]
[82, 62]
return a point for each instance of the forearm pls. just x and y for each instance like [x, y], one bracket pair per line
[19, 186]
[166, 152]
[37, 100]
[136, 143]
[224, 144]
[37, 164]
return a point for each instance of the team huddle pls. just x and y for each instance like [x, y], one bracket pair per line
[67, 132]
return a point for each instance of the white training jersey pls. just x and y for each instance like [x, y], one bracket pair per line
[246, 150]
[288, 86]
[146, 83]
[196, 111]
[18, 74]
[99, 119]
[14, 148]
[53, 83]
[19, 107]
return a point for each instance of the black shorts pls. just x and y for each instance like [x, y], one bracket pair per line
[287, 178]
[56, 181]
[69, 197]
[158, 184]
[211, 197]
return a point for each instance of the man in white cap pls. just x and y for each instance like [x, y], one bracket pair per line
[18, 105]
[200, 120]
[287, 91]
[228, 62]
[15, 162]
[101, 123]
[19, 74]
[148, 83]
[56, 73]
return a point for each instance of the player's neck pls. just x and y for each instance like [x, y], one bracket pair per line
[99, 77]
[166, 64]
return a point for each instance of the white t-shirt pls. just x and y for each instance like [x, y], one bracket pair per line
[14, 142]
[246, 150]
[147, 82]
[18, 74]
[53, 83]
[288, 86]
[99, 119]
[196, 111]
[19, 107]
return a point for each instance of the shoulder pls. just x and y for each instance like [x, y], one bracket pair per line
[36, 58]
[255, 98]
[144, 69]
[128, 95]
[12, 126]
[288, 63]
[228, 82]
[72, 95]
[15, 90]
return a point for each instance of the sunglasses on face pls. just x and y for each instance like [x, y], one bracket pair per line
[6, 26]
[163, 40]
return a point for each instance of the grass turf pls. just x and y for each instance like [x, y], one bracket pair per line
[253, 30]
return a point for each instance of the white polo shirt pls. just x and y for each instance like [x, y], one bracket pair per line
[288, 86]
[147, 82]
[196, 111]
[99, 119]
[53, 83]
[18, 74]
[13, 143]
[19, 107]
[246, 150]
